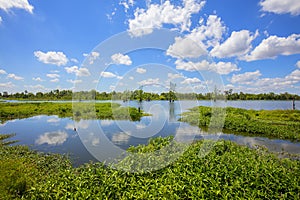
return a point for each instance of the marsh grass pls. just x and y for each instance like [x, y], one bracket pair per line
[229, 171]
[281, 124]
[82, 110]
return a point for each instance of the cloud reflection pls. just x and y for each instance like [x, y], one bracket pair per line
[52, 138]
[120, 138]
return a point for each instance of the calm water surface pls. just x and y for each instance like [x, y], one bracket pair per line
[57, 135]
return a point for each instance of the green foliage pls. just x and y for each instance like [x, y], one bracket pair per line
[80, 110]
[141, 95]
[229, 171]
[282, 124]
[22, 169]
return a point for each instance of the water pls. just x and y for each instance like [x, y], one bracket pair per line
[93, 140]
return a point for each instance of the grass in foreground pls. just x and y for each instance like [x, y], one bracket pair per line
[83, 110]
[229, 171]
[281, 124]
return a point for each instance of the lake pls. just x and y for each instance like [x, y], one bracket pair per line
[94, 140]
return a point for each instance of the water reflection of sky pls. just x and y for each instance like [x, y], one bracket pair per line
[57, 135]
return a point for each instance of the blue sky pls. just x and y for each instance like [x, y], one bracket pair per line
[252, 45]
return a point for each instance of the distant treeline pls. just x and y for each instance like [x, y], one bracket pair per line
[141, 95]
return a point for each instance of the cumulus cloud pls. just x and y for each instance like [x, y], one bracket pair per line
[256, 84]
[15, 77]
[7, 85]
[274, 46]
[238, 44]
[246, 77]
[149, 81]
[7, 5]
[191, 81]
[281, 6]
[109, 75]
[1, 20]
[74, 81]
[78, 71]
[92, 57]
[297, 64]
[56, 80]
[186, 48]
[222, 68]
[294, 76]
[37, 79]
[2, 71]
[172, 76]
[121, 59]
[53, 75]
[52, 57]
[141, 70]
[52, 138]
[145, 21]
[197, 42]
[37, 88]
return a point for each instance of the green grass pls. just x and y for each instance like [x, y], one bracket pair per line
[281, 124]
[229, 171]
[10, 111]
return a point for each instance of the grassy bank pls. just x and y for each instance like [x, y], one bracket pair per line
[10, 111]
[281, 124]
[229, 171]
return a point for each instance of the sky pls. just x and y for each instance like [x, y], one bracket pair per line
[251, 46]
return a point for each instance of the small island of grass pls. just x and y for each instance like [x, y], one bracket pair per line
[78, 110]
[281, 124]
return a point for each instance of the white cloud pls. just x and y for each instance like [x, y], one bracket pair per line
[298, 64]
[149, 81]
[274, 46]
[220, 67]
[7, 5]
[197, 42]
[191, 81]
[172, 76]
[52, 138]
[141, 70]
[2, 71]
[238, 44]
[1, 20]
[78, 71]
[15, 77]
[74, 81]
[294, 76]
[281, 6]
[156, 15]
[37, 79]
[53, 75]
[186, 48]
[109, 75]
[93, 56]
[224, 67]
[52, 57]
[37, 87]
[131, 78]
[120, 138]
[254, 84]
[121, 59]
[56, 80]
[74, 60]
[112, 87]
[246, 77]
[7, 85]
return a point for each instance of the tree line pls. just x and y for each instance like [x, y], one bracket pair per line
[141, 95]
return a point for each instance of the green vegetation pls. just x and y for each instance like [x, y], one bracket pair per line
[142, 95]
[80, 110]
[229, 171]
[282, 124]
